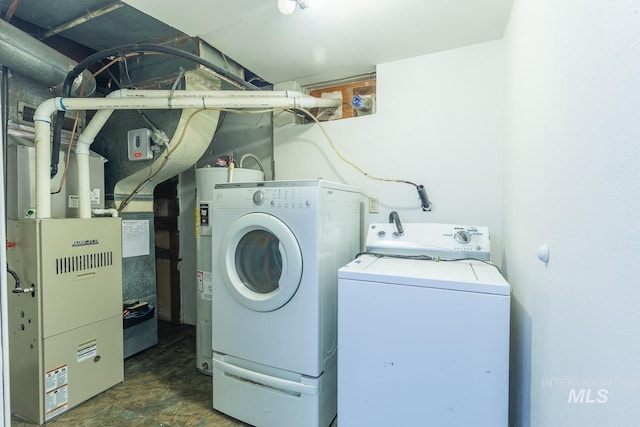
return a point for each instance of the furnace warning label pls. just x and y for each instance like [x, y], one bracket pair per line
[56, 394]
[55, 378]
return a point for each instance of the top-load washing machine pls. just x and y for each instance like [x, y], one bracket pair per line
[423, 330]
[277, 247]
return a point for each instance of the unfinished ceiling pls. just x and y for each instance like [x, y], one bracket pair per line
[344, 38]
[97, 24]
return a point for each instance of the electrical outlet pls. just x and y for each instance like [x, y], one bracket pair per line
[373, 205]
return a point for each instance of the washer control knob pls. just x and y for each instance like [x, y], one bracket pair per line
[258, 197]
[381, 234]
[463, 237]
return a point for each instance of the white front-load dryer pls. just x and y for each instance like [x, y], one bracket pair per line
[277, 247]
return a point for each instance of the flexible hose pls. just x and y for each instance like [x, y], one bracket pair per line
[15, 276]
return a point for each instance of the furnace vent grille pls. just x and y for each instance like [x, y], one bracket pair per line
[73, 264]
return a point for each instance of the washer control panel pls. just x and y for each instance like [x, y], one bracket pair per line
[438, 240]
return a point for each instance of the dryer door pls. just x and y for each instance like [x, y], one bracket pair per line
[261, 262]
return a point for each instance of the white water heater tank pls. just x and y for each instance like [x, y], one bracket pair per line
[206, 179]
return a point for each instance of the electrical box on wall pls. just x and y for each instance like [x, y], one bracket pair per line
[139, 143]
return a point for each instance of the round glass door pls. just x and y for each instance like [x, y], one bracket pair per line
[262, 262]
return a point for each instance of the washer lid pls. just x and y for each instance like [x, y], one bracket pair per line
[466, 276]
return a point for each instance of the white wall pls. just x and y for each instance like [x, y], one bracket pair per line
[572, 180]
[438, 123]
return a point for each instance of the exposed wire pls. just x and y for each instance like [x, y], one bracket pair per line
[344, 159]
[175, 85]
[126, 71]
[68, 156]
[15, 276]
[307, 113]
[165, 161]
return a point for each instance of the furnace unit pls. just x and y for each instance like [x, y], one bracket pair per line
[65, 313]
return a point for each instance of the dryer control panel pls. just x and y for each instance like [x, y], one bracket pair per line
[442, 240]
[288, 198]
[264, 196]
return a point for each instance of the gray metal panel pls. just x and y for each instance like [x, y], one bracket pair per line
[139, 282]
[21, 194]
[139, 272]
[143, 335]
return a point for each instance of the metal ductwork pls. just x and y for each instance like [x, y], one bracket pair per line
[30, 57]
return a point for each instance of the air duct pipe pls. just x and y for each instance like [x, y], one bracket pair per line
[144, 100]
[30, 57]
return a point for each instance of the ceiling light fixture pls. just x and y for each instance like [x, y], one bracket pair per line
[287, 7]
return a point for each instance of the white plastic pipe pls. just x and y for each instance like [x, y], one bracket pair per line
[84, 187]
[82, 156]
[151, 93]
[179, 101]
[43, 163]
[144, 100]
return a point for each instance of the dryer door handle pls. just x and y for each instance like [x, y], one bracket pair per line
[307, 386]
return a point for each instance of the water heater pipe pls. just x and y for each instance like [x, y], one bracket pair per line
[139, 100]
